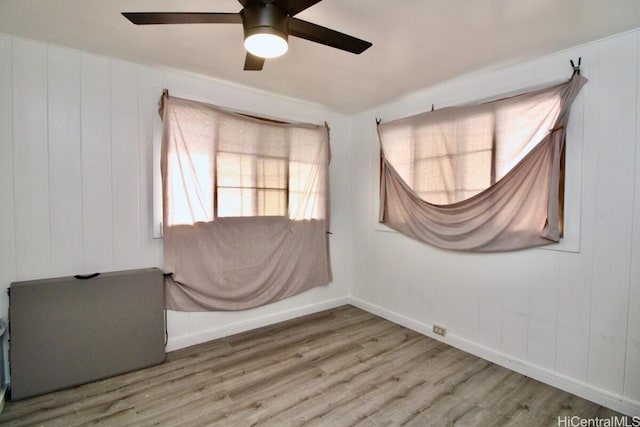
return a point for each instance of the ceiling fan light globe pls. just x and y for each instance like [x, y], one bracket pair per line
[266, 45]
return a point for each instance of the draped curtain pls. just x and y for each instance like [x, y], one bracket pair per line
[246, 207]
[478, 178]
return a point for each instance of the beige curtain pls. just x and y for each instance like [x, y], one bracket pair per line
[245, 207]
[478, 178]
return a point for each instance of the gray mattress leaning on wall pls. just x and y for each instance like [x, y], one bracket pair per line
[68, 331]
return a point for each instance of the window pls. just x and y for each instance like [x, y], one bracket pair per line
[250, 185]
[244, 207]
[448, 161]
[227, 165]
[485, 177]
[454, 161]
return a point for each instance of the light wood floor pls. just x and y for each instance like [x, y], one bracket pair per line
[341, 367]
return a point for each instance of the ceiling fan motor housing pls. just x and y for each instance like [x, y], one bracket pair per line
[264, 18]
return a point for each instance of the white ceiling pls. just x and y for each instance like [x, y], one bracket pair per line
[416, 43]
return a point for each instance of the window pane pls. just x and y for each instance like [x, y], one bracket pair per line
[272, 173]
[236, 202]
[458, 178]
[452, 158]
[433, 175]
[251, 185]
[401, 155]
[305, 198]
[235, 170]
[272, 202]
[520, 126]
[192, 189]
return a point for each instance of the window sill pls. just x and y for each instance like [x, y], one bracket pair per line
[568, 244]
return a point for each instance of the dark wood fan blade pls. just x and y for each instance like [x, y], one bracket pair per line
[253, 63]
[316, 33]
[293, 7]
[150, 18]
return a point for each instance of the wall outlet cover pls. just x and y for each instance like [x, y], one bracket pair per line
[440, 330]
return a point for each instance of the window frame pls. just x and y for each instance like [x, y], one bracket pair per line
[482, 86]
[157, 196]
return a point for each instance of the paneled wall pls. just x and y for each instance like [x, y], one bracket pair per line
[76, 167]
[569, 318]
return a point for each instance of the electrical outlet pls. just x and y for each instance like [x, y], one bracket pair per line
[440, 330]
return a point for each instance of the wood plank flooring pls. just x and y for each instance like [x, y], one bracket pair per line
[341, 367]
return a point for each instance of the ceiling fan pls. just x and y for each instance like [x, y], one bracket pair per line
[267, 25]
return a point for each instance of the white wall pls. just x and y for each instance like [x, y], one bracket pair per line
[76, 134]
[76, 163]
[569, 318]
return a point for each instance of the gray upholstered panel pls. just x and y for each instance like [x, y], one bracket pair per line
[66, 331]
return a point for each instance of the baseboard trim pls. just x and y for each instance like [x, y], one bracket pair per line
[584, 390]
[249, 324]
